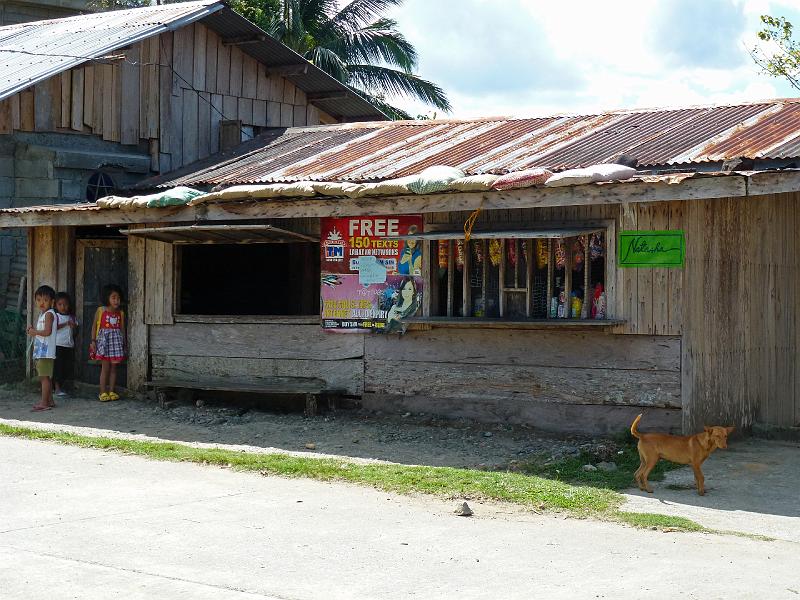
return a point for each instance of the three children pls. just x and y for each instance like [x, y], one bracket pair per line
[54, 342]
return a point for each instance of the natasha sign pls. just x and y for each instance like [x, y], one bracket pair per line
[651, 248]
[370, 282]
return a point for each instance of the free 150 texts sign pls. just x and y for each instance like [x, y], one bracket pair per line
[370, 282]
[651, 249]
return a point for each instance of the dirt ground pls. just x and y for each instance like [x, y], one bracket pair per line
[397, 437]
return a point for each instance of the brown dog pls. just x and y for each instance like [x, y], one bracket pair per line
[683, 449]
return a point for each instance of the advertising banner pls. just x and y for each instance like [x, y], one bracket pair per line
[370, 283]
[345, 240]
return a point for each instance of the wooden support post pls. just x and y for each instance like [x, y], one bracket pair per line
[466, 300]
[587, 279]
[551, 271]
[450, 275]
[529, 278]
[311, 405]
[484, 273]
[567, 278]
[502, 291]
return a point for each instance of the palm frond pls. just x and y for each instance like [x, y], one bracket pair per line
[394, 113]
[359, 13]
[377, 79]
[330, 62]
[379, 41]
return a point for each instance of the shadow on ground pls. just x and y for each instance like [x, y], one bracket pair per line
[403, 438]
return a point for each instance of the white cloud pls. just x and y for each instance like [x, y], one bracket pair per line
[531, 57]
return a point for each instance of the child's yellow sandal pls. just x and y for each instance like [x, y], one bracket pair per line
[104, 397]
[113, 396]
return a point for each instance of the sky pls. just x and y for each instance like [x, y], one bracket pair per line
[540, 57]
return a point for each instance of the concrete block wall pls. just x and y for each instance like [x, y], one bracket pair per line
[51, 168]
[23, 11]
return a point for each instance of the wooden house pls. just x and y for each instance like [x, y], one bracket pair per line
[228, 287]
[97, 102]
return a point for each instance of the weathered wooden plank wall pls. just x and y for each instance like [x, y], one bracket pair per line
[740, 312]
[257, 351]
[524, 365]
[735, 303]
[177, 111]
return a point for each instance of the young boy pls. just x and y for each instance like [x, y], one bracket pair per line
[44, 346]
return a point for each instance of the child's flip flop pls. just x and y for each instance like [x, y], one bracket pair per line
[40, 408]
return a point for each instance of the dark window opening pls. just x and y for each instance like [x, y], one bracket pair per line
[249, 279]
[99, 185]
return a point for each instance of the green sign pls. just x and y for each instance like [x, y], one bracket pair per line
[651, 249]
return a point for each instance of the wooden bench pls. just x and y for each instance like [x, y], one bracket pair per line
[314, 390]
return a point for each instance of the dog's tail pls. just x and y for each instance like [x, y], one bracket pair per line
[634, 427]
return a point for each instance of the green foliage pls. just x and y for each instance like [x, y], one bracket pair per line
[780, 54]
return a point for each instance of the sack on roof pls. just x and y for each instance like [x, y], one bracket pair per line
[383, 188]
[334, 188]
[435, 179]
[594, 173]
[522, 179]
[177, 196]
[473, 183]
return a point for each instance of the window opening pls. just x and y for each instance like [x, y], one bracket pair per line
[521, 277]
[100, 185]
[278, 279]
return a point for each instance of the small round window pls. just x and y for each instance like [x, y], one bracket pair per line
[99, 185]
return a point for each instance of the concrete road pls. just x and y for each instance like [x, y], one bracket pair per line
[87, 524]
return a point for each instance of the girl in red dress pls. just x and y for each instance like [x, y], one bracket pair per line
[108, 340]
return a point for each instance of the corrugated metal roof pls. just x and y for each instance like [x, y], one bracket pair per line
[375, 151]
[32, 52]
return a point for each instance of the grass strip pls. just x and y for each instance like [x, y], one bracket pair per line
[571, 469]
[519, 488]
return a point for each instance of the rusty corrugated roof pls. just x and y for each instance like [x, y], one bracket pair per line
[361, 152]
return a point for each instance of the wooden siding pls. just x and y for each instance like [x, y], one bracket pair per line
[735, 303]
[741, 302]
[176, 111]
[257, 351]
[530, 366]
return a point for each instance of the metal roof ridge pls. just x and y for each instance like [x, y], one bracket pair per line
[93, 15]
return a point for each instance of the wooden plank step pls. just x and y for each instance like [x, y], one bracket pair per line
[301, 386]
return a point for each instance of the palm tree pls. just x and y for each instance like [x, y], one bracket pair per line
[355, 44]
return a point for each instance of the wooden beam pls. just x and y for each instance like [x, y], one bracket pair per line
[281, 208]
[283, 70]
[331, 95]
[243, 40]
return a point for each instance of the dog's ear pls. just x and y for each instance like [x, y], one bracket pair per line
[707, 428]
[730, 430]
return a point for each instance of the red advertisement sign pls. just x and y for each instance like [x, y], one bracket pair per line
[370, 282]
[344, 240]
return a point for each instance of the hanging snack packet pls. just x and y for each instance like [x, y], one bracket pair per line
[460, 255]
[495, 252]
[477, 252]
[541, 254]
[577, 254]
[596, 246]
[561, 254]
[511, 253]
[442, 253]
